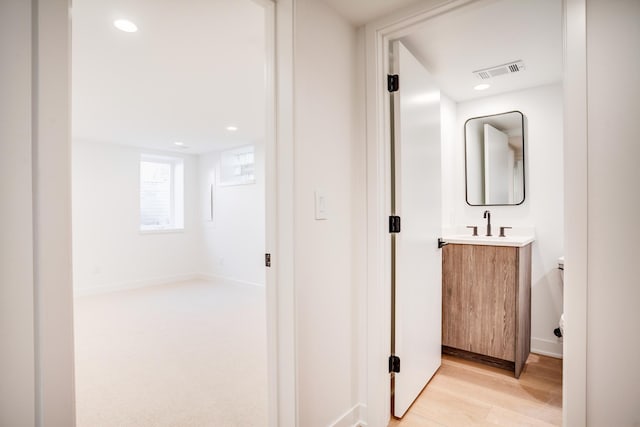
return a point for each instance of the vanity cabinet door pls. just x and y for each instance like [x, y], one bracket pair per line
[480, 299]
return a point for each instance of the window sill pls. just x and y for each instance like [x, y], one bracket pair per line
[162, 231]
[235, 183]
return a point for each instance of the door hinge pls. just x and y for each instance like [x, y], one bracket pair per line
[267, 260]
[393, 82]
[394, 224]
[394, 364]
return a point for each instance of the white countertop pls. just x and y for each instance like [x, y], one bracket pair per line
[515, 241]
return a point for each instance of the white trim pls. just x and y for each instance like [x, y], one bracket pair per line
[546, 347]
[574, 372]
[231, 280]
[377, 36]
[161, 231]
[159, 281]
[271, 211]
[53, 289]
[283, 405]
[352, 418]
[55, 402]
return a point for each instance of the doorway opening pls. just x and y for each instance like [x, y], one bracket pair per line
[452, 42]
[172, 142]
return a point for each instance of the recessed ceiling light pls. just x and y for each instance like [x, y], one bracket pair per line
[126, 26]
[232, 128]
[181, 145]
[482, 86]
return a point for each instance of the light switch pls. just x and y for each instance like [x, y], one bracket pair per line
[321, 205]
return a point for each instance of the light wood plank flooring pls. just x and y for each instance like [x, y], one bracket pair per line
[464, 393]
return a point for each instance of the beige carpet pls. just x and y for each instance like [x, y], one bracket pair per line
[187, 354]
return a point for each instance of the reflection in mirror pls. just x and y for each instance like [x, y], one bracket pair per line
[494, 159]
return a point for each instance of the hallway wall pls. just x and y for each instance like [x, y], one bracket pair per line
[613, 341]
[327, 133]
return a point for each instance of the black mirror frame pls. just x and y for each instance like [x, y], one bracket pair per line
[524, 167]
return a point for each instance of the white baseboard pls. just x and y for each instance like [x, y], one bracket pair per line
[232, 280]
[136, 284]
[544, 347]
[352, 418]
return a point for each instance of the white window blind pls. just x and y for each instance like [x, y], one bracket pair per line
[161, 193]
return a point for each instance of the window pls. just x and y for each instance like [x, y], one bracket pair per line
[237, 166]
[161, 193]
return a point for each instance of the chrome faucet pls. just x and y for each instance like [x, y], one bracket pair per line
[487, 215]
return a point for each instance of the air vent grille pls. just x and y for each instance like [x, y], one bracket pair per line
[510, 67]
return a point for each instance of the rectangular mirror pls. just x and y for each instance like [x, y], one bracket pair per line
[494, 159]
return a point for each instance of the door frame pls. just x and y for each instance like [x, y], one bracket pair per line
[378, 34]
[53, 402]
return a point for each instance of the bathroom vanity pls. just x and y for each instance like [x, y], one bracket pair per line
[486, 299]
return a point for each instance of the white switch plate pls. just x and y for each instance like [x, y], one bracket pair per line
[321, 205]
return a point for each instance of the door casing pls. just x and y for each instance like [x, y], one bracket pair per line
[54, 399]
[378, 35]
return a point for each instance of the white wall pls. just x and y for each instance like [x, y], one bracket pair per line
[232, 246]
[450, 163]
[613, 341]
[109, 251]
[543, 205]
[17, 388]
[326, 136]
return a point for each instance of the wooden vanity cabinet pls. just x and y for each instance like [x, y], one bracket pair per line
[486, 304]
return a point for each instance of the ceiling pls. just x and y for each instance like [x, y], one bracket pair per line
[360, 12]
[487, 34]
[187, 74]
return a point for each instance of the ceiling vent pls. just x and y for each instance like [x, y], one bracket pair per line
[510, 67]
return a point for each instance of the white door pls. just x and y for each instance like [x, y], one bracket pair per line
[417, 200]
[497, 175]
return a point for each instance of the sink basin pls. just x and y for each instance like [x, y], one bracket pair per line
[515, 241]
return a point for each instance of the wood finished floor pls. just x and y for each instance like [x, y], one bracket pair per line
[464, 393]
